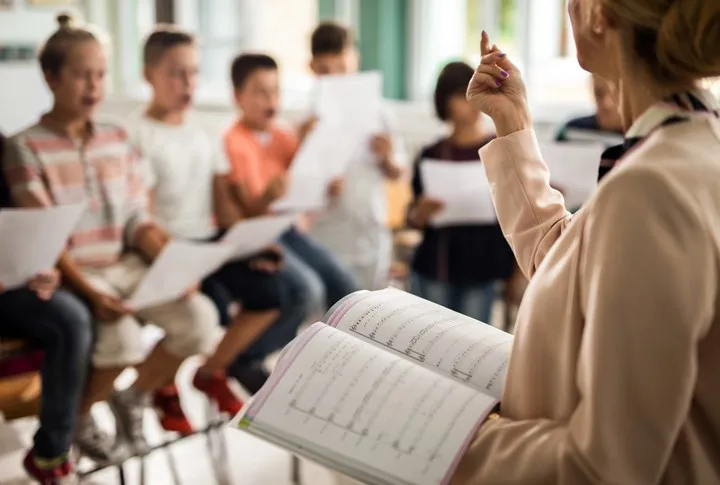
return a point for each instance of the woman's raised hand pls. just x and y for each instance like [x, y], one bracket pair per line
[497, 89]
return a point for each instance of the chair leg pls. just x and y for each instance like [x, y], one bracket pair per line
[172, 465]
[295, 472]
[121, 474]
[217, 446]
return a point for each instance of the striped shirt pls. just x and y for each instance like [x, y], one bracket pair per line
[103, 172]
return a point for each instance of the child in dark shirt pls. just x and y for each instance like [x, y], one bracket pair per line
[457, 266]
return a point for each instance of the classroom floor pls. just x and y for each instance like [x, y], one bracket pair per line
[252, 461]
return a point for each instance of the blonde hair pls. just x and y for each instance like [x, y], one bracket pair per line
[54, 51]
[678, 39]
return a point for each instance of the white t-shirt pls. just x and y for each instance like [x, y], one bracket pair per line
[179, 164]
[354, 227]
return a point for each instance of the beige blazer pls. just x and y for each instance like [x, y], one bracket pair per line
[615, 372]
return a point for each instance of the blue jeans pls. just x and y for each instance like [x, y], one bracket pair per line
[314, 273]
[62, 327]
[475, 301]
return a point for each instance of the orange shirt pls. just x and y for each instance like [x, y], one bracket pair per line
[256, 158]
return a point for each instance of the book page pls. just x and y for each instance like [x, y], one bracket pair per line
[432, 335]
[367, 413]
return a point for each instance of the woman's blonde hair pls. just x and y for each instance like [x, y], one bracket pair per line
[54, 52]
[678, 39]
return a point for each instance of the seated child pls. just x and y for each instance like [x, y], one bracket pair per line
[62, 326]
[69, 158]
[260, 154]
[354, 228]
[458, 266]
[605, 126]
[187, 173]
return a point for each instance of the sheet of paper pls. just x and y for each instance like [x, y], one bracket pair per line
[383, 418]
[354, 100]
[429, 334]
[325, 155]
[573, 169]
[249, 237]
[180, 265]
[32, 240]
[463, 188]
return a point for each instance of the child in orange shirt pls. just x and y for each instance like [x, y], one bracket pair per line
[260, 154]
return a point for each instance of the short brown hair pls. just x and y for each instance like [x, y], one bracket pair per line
[245, 64]
[161, 40]
[677, 40]
[330, 38]
[53, 53]
[452, 81]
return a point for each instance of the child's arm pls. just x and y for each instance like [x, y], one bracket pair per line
[256, 206]
[382, 147]
[227, 212]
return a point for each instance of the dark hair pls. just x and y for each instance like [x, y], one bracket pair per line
[330, 38]
[54, 51]
[245, 64]
[161, 40]
[453, 80]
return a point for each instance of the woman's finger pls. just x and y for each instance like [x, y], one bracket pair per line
[493, 58]
[484, 43]
[491, 76]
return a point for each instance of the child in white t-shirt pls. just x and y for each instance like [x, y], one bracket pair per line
[354, 228]
[186, 172]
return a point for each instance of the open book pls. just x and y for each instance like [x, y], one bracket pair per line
[390, 389]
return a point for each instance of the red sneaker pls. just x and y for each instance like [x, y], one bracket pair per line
[216, 387]
[51, 472]
[166, 402]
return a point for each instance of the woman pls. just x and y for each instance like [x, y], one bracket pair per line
[613, 377]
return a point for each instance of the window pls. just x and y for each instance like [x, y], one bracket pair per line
[501, 20]
[280, 28]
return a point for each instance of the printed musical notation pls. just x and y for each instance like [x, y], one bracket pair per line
[373, 406]
[455, 344]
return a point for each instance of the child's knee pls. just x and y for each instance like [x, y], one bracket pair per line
[118, 344]
[191, 327]
[74, 324]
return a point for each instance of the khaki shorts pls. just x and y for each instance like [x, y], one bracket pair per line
[191, 325]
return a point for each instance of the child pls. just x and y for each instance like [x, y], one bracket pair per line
[260, 154]
[354, 228]
[605, 126]
[62, 326]
[69, 158]
[187, 173]
[457, 267]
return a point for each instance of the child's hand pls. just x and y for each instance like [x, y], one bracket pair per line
[335, 187]
[306, 127]
[381, 146]
[44, 284]
[276, 189]
[108, 309]
[424, 211]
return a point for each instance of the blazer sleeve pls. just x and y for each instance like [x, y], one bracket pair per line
[531, 213]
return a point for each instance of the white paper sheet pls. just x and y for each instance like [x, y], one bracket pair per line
[463, 188]
[325, 155]
[351, 100]
[181, 265]
[251, 236]
[32, 240]
[573, 169]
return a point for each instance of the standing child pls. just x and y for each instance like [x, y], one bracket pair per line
[260, 154]
[354, 228]
[68, 158]
[187, 173]
[458, 266]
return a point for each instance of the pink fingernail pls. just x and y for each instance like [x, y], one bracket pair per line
[501, 55]
[499, 84]
[504, 74]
